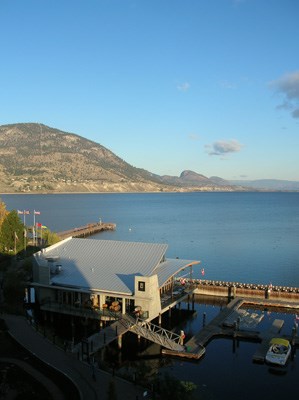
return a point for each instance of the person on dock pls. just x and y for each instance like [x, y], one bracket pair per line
[182, 337]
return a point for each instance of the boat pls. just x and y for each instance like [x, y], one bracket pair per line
[278, 352]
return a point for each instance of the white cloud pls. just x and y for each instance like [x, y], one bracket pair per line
[224, 147]
[288, 87]
[183, 87]
[194, 136]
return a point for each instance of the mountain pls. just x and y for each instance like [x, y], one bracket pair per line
[37, 158]
[192, 179]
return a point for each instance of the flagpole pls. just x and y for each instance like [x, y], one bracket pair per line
[35, 227]
[34, 241]
[25, 239]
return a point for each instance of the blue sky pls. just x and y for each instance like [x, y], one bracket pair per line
[168, 85]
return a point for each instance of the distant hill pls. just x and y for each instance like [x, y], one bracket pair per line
[35, 158]
[268, 184]
[192, 179]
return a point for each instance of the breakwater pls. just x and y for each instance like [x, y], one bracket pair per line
[247, 290]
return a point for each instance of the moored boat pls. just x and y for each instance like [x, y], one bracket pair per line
[279, 351]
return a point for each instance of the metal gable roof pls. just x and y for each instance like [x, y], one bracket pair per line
[106, 265]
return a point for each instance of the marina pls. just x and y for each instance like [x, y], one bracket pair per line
[230, 322]
[233, 321]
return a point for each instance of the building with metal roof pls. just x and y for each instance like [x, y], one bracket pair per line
[101, 275]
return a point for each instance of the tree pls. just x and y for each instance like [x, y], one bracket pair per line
[12, 234]
[50, 237]
[170, 388]
[3, 212]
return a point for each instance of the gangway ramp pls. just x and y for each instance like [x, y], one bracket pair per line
[125, 323]
[154, 333]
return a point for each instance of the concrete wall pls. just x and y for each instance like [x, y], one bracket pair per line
[147, 294]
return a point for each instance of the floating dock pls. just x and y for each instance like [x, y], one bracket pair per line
[231, 322]
[259, 355]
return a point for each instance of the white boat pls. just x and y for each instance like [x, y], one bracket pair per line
[278, 352]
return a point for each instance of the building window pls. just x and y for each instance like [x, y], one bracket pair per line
[141, 286]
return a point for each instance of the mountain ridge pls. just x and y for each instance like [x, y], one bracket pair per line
[36, 158]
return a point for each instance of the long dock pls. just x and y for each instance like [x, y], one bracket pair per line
[87, 230]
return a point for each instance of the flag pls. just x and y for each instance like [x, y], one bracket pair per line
[26, 212]
[36, 212]
[202, 271]
[44, 227]
[20, 212]
[38, 224]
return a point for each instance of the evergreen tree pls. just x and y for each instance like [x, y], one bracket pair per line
[12, 234]
[3, 212]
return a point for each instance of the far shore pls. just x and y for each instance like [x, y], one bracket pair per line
[156, 192]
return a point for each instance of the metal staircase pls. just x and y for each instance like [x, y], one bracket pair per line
[154, 333]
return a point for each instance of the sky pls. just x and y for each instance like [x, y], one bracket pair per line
[210, 86]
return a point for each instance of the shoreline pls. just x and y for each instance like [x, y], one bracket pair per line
[154, 192]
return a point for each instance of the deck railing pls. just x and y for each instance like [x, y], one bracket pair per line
[80, 311]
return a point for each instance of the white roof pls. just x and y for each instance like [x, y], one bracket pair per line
[108, 265]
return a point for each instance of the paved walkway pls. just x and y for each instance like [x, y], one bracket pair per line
[37, 375]
[92, 383]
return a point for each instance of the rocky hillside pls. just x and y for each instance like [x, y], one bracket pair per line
[37, 158]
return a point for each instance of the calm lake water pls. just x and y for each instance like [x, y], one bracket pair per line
[245, 237]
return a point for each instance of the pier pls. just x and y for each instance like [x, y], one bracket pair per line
[87, 230]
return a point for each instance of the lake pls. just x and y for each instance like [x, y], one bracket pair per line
[244, 237]
[247, 237]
